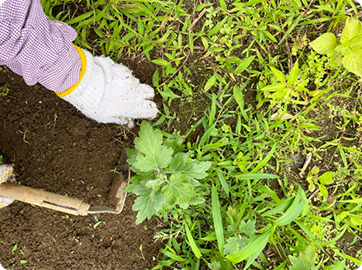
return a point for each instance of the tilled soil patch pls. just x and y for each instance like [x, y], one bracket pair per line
[55, 148]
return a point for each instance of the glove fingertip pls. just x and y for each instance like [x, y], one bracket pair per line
[127, 122]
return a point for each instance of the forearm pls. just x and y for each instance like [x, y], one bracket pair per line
[37, 48]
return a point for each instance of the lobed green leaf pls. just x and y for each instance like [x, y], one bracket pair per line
[152, 154]
[179, 190]
[194, 169]
[148, 202]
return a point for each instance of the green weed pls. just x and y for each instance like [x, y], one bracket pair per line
[4, 91]
[348, 52]
[165, 176]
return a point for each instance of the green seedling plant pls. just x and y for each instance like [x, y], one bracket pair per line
[166, 177]
[288, 90]
[4, 91]
[325, 179]
[306, 260]
[347, 50]
[98, 222]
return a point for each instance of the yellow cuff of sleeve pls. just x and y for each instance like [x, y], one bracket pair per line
[82, 72]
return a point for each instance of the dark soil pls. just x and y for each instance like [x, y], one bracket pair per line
[57, 149]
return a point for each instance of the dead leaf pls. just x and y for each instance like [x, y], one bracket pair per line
[281, 116]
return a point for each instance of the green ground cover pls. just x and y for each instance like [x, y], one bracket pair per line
[256, 157]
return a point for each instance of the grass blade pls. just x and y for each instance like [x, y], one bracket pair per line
[216, 216]
[206, 135]
[210, 83]
[212, 111]
[223, 5]
[255, 176]
[192, 243]
[172, 256]
[279, 209]
[257, 244]
[343, 156]
[265, 160]
[80, 18]
[217, 27]
[293, 211]
[244, 65]
[223, 182]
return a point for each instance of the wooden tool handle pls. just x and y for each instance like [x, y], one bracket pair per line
[44, 199]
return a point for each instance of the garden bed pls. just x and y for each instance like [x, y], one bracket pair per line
[269, 165]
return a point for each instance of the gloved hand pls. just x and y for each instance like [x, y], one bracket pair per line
[108, 92]
[6, 174]
[41, 51]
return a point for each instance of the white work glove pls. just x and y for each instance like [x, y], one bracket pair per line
[6, 174]
[109, 93]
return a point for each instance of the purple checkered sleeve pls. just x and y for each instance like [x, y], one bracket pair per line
[37, 48]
